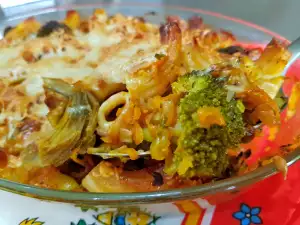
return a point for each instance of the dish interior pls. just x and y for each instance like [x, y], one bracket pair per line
[247, 35]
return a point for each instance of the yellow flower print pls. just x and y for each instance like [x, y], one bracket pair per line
[127, 218]
[138, 218]
[32, 221]
[105, 218]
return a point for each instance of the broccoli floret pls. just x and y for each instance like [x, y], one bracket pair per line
[202, 149]
[194, 81]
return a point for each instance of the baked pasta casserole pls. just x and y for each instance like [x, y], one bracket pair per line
[117, 104]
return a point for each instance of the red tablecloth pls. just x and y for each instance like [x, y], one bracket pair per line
[274, 201]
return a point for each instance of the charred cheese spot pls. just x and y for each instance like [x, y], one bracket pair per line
[51, 27]
[28, 56]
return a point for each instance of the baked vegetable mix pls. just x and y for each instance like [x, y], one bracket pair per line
[117, 104]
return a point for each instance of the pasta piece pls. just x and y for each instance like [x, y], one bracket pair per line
[155, 79]
[118, 99]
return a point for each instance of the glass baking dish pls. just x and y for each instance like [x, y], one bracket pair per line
[213, 192]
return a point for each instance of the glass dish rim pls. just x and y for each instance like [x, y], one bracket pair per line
[226, 185]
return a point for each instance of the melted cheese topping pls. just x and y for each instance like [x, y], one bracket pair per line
[109, 52]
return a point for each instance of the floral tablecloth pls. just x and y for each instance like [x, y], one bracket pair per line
[274, 201]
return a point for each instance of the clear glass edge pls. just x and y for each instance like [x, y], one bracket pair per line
[226, 185]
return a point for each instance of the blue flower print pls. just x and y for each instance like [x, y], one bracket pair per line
[120, 220]
[248, 215]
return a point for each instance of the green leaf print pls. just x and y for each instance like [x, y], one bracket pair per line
[85, 208]
[81, 222]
